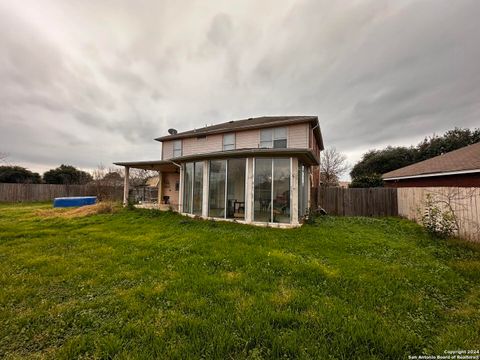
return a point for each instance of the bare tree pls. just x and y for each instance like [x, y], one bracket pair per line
[3, 156]
[108, 182]
[333, 165]
[139, 177]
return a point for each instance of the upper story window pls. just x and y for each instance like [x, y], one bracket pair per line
[177, 148]
[273, 138]
[229, 141]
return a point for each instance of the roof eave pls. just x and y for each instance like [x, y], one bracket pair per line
[298, 120]
[445, 173]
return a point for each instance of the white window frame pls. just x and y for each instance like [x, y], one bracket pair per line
[177, 151]
[274, 136]
[226, 189]
[271, 192]
[229, 146]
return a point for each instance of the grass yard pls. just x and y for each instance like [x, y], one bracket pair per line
[145, 284]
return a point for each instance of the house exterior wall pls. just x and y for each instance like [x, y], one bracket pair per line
[298, 136]
[167, 150]
[247, 139]
[207, 144]
[461, 180]
[168, 188]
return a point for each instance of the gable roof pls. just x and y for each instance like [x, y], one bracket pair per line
[463, 160]
[248, 124]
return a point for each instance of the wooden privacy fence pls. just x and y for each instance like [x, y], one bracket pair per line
[465, 203]
[359, 201]
[47, 192]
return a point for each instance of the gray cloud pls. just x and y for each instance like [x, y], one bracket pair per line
[89, 82]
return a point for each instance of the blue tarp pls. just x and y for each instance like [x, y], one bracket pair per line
[74, 201]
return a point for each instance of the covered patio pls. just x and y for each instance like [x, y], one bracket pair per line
[168, 182]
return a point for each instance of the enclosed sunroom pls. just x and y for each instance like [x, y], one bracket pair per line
[255, 186]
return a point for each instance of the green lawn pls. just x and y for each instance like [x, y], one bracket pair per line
[144, 284]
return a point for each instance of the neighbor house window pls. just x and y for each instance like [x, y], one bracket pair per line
[177, 148]
[273, 138]
[229, 142]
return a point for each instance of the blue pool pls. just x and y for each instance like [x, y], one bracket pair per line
[74, 201]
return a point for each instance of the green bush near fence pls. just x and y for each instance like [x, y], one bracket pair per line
[145, 284]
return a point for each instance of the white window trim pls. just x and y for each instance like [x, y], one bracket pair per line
[226, 190]
[271, 193]
[272, 141]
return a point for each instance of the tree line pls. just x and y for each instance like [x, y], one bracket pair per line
[64, 174]
[368, 171]
[70, 175]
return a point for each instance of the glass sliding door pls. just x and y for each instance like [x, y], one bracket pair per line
[216, 194]
[197, 188]
[193, 188]
[187, 188]
[281, 190]
[236, 189]
[272, 190]
[262, 208]
[226, 198]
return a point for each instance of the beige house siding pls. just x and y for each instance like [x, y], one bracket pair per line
[247, 139]
[167, 150]
[168, 188]
[298, 136]
[210, 143]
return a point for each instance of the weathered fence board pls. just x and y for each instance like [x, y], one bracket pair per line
[47, 192]
[359, 202]
[465, 203]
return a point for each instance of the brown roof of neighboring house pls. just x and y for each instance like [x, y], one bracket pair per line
[247, 124]
[466, 159]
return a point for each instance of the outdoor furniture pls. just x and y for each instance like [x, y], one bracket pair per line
[239, 209]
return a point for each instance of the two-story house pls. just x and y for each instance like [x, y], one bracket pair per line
[258, 170]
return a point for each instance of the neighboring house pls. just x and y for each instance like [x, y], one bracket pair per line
[456, 168]
[256, 171]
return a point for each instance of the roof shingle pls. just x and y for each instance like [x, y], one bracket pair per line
[463, 159]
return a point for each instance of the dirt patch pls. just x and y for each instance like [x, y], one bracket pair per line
[87, 210]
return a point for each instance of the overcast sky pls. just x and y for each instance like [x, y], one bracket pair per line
[89, 82]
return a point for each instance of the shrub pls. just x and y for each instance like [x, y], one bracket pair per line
[438, 221]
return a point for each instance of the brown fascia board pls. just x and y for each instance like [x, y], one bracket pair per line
[202, 132]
